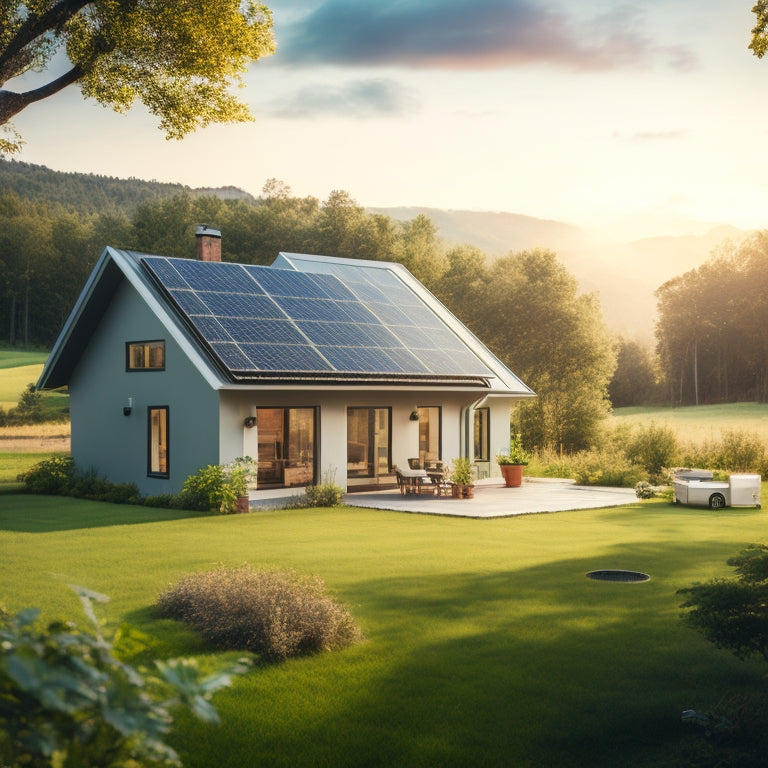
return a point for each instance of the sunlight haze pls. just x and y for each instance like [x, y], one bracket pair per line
[634, 119]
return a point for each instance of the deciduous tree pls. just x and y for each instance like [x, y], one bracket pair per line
[555, 339]
[179, 59]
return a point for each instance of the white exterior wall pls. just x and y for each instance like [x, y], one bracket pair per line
[499, 428]
[238, 440]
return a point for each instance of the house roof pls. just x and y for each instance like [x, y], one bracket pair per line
[306, 319]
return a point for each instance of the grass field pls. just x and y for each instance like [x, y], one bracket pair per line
[700, 423]
[14, 380]
[17, 370]
[486, 645]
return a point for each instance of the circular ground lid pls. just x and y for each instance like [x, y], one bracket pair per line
[613, 575]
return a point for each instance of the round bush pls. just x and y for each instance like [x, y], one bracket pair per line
[273, 613]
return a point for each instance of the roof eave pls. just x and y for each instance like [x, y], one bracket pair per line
[112, 267]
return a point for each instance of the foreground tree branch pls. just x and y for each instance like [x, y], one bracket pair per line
[180, 60]
[12, 103]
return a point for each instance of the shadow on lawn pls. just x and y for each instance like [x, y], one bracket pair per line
[536, 667]
[24, 513]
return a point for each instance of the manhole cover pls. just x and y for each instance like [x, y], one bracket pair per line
[612, 575]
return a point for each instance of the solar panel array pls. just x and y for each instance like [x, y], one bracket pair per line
[262, 320]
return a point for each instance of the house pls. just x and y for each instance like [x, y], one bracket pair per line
[317, 366]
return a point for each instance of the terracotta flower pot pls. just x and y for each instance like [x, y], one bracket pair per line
[513, 475]
[242, 504]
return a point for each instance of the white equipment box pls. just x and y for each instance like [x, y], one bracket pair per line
[697, 488]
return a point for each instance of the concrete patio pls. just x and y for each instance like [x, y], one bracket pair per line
[493, 499]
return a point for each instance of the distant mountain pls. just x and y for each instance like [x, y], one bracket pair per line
[495, 233]
[92, 193]
[625, 274]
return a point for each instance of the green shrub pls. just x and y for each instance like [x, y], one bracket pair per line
[733, 613]
[326, 494]
[644, 490]
[741, 452]
[69, 702]
[54, 476]
[162, 500]
[214, 488]
[653, 448]
[276, 614]
[59, 476]
[603, 467]
[89, 485]
[548, 463]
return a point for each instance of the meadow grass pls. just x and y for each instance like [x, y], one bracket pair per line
[14, 358]
[13, 382]
[697, 424]
[19, 369]
[486, 645]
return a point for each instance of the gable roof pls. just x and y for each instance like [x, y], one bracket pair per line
[305, 320]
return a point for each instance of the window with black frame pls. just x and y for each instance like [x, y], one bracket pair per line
[157, 453]
[145, 356]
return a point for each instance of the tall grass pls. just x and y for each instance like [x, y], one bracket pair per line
[486, 645]
[697, 424]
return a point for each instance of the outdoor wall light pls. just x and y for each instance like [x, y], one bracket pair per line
[414, 416]
[128, 408]
[250, 421]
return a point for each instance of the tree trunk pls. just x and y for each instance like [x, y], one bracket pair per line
[12, 322]
[696, 371]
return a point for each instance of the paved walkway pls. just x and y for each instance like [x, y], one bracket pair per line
[493, 499]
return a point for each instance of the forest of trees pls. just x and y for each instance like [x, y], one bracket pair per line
[712, 328]
[712, 342]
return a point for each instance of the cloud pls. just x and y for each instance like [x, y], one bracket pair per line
[356, 98]
[468, 34]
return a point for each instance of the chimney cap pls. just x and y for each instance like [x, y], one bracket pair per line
[204, 230]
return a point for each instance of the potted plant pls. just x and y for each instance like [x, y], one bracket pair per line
[511, 464]
[462, 482]
[240, 476]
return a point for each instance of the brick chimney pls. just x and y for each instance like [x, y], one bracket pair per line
[208, 243]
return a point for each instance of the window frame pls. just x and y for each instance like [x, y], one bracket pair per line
[150, 471]
[129, 345]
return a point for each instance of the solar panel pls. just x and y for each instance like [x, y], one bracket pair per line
[351, 320]
[239, 305]
[285, 357]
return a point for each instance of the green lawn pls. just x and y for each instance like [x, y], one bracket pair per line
[486, 645]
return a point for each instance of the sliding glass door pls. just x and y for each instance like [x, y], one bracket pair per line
[287, 446]
[369, 445]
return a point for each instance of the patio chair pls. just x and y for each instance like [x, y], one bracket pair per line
[414, 463]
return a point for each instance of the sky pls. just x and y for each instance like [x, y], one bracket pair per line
[631, 118]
